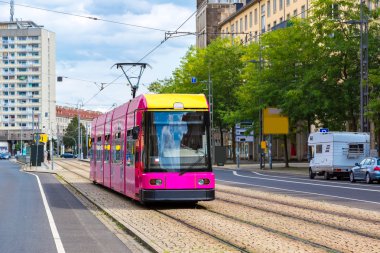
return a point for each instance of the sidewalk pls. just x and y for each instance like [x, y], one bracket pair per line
[294, 168]
[44, 168]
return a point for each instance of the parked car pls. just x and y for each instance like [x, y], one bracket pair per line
[5, 156]
[68, 155]
[368, 169]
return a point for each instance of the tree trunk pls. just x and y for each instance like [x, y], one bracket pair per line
[233, 144]
[221, 136]
[286, 151]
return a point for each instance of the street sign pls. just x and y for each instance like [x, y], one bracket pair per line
[324, 130]
[241, 129]
[193, 80]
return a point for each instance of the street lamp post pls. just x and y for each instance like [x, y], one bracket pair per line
[364, 92]
[260, 61]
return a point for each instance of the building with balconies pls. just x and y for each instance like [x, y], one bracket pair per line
[27, 79]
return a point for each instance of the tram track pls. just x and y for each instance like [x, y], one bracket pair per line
[287, 203]
[76, 166]
[293, 224]
[351, 224]
[236, 248]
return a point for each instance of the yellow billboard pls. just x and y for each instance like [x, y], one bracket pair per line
[274, 122]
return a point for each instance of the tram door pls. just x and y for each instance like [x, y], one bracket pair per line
[130, 164]
[117, 168]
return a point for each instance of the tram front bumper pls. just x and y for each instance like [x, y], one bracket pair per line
[177, 195]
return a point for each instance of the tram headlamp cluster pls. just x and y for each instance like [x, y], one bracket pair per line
[204, 181]
[155, 182]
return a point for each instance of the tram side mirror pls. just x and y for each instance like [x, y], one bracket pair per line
[135, 132]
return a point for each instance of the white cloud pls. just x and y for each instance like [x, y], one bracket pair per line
[86, 49]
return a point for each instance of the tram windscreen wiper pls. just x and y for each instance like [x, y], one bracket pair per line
[191, 166]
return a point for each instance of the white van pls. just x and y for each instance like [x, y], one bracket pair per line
[333, 154]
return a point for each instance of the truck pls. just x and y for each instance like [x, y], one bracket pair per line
[333, 154]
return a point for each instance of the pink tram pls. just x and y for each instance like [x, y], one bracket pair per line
[155, 148]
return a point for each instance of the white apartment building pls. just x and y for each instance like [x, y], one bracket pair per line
[27, 79]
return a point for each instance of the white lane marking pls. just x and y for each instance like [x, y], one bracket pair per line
[292, 182]
[53, 227]
[311, 193]
[312, 180]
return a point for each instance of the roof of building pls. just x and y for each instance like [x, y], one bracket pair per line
[238, 12]
[70, 112]
[20, 24]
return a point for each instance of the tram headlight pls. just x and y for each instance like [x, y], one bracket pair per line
[204, 181]
[155, 182]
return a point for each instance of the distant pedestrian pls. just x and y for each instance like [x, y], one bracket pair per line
[48, 157]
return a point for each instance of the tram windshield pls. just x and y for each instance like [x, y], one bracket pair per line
[178, 141]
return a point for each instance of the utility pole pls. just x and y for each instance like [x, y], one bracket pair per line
[79, 142]
[364, 92]
[12, 12]
[87, 141]
[211, 102]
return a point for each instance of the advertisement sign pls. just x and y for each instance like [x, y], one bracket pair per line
[274, 122]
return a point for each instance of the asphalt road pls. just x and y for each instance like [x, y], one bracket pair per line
[25, 225]
[359, 195]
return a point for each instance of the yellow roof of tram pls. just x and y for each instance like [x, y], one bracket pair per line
[174, 101]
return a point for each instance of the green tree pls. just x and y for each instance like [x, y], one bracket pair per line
[70, 138]
[221, 61]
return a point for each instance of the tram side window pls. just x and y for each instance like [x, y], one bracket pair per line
[91, 148]
[106, 148]
[130, 155]
[117, 149]
[99, 149]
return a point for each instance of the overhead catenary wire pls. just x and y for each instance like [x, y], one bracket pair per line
[146, 55]
[104, 84]
[87, 17]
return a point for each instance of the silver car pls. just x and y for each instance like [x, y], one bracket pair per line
[368, 170]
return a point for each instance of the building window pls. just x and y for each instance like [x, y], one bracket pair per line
[245, 23]
[287, 2]
[281, 4]
[268, 8]
[237, 26]
[288, 16]
[241, 25]
[274, 6]
[250, 19]
[268, 27]
[303, 11]
[255, 16]
[263, 18]
[295, 13]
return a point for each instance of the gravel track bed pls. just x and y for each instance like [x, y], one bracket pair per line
[252, 239]
[77, 171]
[162, 233]
[78, 166]
[364, 228]
[332, 238]
[323, 207]
[251, 220]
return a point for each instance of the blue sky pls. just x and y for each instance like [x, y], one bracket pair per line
[86, 49]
